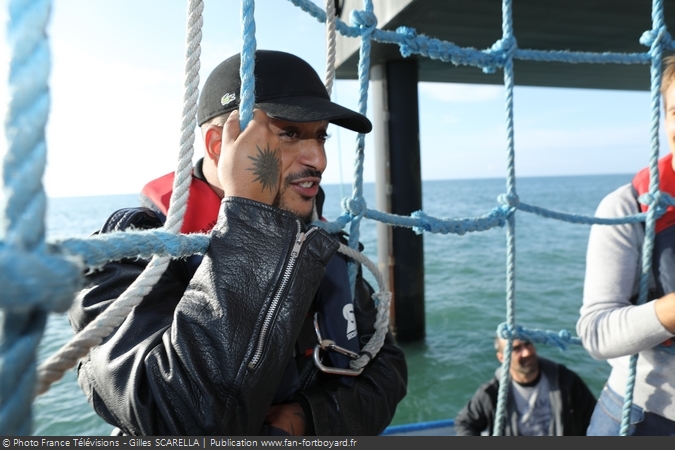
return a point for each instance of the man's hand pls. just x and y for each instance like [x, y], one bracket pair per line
[287, 416]
[250, 161]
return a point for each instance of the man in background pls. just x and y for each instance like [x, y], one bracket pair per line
[544, 398]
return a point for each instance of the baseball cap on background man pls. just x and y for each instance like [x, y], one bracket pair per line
[286, 87]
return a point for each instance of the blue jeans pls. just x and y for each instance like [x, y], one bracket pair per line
[606, 419]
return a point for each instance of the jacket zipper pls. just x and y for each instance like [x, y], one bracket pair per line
[300, 238]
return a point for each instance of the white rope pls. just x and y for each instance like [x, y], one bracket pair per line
[330, 45]
[382, 299]
[183, 177]
[66, 357]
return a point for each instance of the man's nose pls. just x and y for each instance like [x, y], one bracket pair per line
[313, 154]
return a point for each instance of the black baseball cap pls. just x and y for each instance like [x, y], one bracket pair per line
[286, 87]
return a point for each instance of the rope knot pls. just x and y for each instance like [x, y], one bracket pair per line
[500, 214]
[646, 199]
[410, 44]
[565, 335]
[356, 206]
[365, 20]
[652, 38]
[423, 222]
[511, 200]
[656, 201]
[504, 332]
[502, 51]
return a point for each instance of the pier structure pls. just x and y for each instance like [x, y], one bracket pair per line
[574, 25]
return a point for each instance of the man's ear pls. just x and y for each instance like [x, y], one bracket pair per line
[500, 356]
[212, 142]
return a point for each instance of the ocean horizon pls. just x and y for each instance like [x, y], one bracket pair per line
[349, 184]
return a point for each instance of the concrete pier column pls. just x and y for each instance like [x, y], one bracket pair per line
[399, 191]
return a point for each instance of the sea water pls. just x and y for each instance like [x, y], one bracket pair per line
[465, 290]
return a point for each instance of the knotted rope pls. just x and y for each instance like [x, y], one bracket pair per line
[501, 56]
[27, 298]
[656, 40]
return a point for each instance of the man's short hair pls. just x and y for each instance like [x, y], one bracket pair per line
[218, 121]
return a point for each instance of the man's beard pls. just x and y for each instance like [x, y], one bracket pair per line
[307, 217]
[528, 369]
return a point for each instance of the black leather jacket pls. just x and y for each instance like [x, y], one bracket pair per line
[203, 354]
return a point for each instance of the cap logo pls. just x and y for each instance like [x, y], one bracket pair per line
[227, 98]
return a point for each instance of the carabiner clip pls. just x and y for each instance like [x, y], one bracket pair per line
[330, 345]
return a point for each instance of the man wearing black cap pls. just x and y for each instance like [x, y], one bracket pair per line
[223, 344]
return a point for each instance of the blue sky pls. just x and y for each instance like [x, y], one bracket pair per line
[117, 95]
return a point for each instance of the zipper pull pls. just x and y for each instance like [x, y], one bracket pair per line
[298, 243]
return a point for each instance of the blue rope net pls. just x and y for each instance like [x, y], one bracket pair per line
[38, 278]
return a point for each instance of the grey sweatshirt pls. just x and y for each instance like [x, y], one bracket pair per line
[612, 328]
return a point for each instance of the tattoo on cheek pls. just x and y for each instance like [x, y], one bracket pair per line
[266, 167]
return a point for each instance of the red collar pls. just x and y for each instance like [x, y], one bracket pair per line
[202, 208]
[666, 184]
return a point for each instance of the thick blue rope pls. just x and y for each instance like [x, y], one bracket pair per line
[563, 339]
[22, 225]
[52, 274]
[367, 22]
[507, 46]
[656, 39]
[48, 280]
[247, 94]
[489, 59]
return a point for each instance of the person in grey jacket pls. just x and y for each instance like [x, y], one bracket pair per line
[544, 398]
[223, 345]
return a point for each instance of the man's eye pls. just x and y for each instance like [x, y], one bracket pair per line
[289, 134]
[323, 137]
